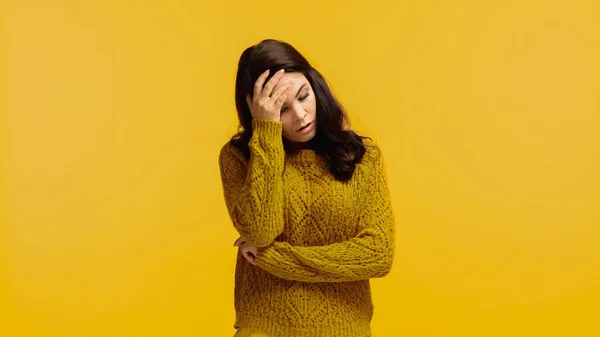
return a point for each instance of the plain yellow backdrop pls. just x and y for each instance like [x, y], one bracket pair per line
[488, 113]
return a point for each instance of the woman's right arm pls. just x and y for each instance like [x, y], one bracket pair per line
[253, 189]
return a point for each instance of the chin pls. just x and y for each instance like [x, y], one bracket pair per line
[305, 138]
[301, 139]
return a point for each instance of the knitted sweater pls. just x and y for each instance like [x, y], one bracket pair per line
[319, 240]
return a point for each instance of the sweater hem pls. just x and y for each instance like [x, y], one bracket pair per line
[272, 328]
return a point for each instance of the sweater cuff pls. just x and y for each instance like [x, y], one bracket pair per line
[267, 128]
[269, 134]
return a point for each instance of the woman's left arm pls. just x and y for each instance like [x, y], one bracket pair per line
[368, 255]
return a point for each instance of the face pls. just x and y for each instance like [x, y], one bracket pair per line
[299, 112]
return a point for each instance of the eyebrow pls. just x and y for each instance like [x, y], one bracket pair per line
[301, 87]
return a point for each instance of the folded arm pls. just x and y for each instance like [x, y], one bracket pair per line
[368, 255]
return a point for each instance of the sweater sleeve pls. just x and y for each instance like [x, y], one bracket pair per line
[367, 255]
[253, 189]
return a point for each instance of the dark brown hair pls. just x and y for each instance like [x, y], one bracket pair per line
[334, 141]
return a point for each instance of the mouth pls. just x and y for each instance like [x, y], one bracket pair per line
[304, 128]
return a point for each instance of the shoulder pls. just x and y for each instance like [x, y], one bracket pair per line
[371, 168]
[372, 152]
[230, 154]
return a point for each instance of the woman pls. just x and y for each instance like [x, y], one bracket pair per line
[309, 198]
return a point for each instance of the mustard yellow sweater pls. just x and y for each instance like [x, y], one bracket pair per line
[320, 240]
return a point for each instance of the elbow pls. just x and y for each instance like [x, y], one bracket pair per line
[387, 256]
[387, 268]
[384, 267]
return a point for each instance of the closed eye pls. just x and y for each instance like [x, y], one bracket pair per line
[300, 99]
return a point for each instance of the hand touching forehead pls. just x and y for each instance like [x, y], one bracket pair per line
[301, 83]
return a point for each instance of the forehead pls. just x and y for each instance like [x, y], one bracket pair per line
[287, 77]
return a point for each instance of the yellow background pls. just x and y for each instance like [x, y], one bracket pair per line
[488, 112]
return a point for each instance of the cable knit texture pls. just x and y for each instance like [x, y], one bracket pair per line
[319, 240]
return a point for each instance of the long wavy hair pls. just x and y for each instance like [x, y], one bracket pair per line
[334, 141]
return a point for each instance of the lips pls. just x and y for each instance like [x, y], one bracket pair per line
[304, 127]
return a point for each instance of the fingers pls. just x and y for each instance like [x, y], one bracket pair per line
[258, 85]
[239, 241]
[266, 91]
[248, 251]
[281, 95]
[282, 90]
[249, 256]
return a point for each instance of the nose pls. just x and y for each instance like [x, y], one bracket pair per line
[299, 113]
